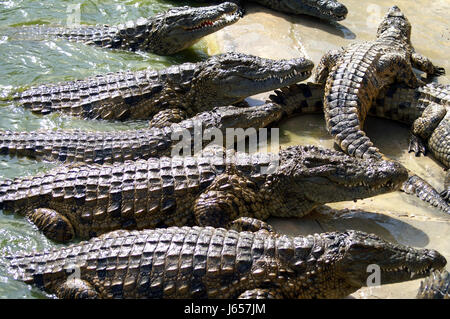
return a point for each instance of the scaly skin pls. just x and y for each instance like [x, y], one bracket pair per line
[330, 10]
[354, 77]
[435, 286]
[164, 34]
[218, 263]
[427, 109]
[87, 200]
[118, 146]
[183, 90]
[399, 103]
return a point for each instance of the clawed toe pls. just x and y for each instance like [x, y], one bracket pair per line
[445, 194]
[416, 145]
[439, 71]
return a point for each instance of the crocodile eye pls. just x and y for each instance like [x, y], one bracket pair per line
[315, 162]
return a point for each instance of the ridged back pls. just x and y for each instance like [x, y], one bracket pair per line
[174, 262]
[120, 95]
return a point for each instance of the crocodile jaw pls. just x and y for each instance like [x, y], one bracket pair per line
[213, 22]
[327, 10]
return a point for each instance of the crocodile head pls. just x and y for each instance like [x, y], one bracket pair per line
[179, 28]
[321, 175]
[245, 117]
[231, 77]
[343, 262]
[323, 9]
[395, 24]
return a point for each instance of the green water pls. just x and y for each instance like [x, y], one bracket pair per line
[26, 63]
[396, 217]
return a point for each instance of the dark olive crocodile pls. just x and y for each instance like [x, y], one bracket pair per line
[431, 128]
[353, 78]
[429, 109]
[86, 200]
[178, 91]
[435, 286]
[206, 262]
[330, 10]
[119, 146]
[164, 34]
[399, 103]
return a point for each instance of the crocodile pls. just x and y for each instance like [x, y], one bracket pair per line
[428, 112]
[414, 107]
[118, 146]
[354, 76]
[435, 286]
[207, 262]
[174, 93]
[210, 189]
[329, 10]
[402, 104]
[164, 34]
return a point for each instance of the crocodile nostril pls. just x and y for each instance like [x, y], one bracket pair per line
[341, 10]
[438, 259]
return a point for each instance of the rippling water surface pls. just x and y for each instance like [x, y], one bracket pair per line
[396, 217]
[26, 63]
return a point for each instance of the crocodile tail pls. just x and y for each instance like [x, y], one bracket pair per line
[417, 186]
[22, 195]
[300, 98]
[64, 146]
[99, 35]
[8, 94]
[47, 268]
[17, 144]
[27, 267]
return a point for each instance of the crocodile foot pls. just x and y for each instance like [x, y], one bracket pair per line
[445, 194]
[416, 145]
[250, 224]
[228, 198]
[76, 289]
[52, 224]
[167, 117]
[437, 71]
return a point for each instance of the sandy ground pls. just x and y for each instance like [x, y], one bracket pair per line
[396, 217]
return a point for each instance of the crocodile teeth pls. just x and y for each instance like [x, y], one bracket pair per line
[213, 23]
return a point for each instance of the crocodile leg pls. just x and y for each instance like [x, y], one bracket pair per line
[261, 294]
[424, 126]
[250, 224]
[424, 64]
[54, 225]
[394, 62]
[326, 64]
[167, 117]
[416, 145]
[229, 197]
[76, 289]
